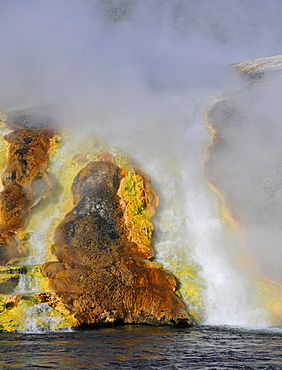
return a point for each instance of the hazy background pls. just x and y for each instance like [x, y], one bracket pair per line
[248, 168]
[113, 64]
[111, 53]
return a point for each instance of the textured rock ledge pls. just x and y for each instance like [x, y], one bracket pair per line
[103, 273]
[100, 270]
[24, 179]
[258, 68]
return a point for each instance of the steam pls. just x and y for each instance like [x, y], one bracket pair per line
[141, 74]
[62, 51]
[249, 168]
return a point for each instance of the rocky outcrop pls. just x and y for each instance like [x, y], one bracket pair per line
[259, 68]
[24, 179]
[100, 270]
[103, 273]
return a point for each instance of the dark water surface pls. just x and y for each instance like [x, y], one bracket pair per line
[143, 347]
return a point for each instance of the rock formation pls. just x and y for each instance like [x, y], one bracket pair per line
[24, 179]
[100, 270]
[103, 273]
[259, 68]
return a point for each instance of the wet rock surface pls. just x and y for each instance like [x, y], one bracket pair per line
[101, 275]
[100, 270]
[24, 179]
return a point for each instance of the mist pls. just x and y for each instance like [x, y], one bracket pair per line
[110, 64]
[114, 53]
[141, 74]
[248, 168]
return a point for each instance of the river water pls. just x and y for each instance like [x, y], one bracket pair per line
[144, 347]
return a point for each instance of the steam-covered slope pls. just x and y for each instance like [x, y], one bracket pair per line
[244, 165]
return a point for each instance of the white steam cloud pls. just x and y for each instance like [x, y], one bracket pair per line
[60, 51]
[248, 168]
[108, 60]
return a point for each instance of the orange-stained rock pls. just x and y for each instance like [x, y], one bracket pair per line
[9, 247]
[54, 301]
[106, 157]
[27, 157]
[12, 300]
[24, 179]
[102, 275]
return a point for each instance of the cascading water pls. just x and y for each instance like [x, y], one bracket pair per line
[21, 281]
[193, 240]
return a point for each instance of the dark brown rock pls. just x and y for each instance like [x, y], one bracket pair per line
[9, 247]
[101, 274]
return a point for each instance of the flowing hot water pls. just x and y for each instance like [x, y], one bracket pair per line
[193, 238]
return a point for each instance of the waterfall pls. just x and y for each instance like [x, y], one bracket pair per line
[192, 239]
[21, 281]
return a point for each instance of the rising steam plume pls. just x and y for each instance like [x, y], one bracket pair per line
[141, 74]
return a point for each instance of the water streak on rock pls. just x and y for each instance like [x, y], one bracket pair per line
[24, 179]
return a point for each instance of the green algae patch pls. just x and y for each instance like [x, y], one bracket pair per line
[28, 313]
[3, 146]
[133, 194]
[21, 310]
[269, 294]
[190, 287]
[70, 156]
